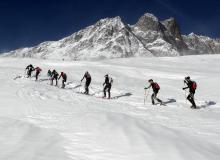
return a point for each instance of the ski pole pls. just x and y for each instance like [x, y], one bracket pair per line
[146, 96]
[185, 92]
[25, 73]
[185, 97]
[80, 86]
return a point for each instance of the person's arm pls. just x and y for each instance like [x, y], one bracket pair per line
[83, 78]
[185, 82]
[59, 77]
[185, 88]
[148, 87]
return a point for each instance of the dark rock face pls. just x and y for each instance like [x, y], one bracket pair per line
[168, 31]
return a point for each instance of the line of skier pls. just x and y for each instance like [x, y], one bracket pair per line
[191, 85]
[107, 85]
[55, 76]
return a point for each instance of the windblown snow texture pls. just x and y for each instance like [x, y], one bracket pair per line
[43, 122]
[111, 38]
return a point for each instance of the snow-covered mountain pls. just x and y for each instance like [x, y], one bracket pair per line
[201, 44]
[111, 38]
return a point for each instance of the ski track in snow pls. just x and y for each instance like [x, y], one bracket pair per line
[36, 116]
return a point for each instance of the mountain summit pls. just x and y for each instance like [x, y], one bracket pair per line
[111, 38]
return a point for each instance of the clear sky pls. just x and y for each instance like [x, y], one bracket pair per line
[28, 22]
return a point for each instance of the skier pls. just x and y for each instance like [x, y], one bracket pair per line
[155, 86]
[191, 85]
[30, 69]
[49, 74]
[107, 86]
[88, 78]
[54, 76]
[64, 76]
[38, 70]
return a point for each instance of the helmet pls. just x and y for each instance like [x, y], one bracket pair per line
[62, 73]
[106, 75]
[150, 80]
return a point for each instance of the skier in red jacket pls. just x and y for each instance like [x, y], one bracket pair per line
[64, 76]
[192, 86]
[38, 70]
[155, 86]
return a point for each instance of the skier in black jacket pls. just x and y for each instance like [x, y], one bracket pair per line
[156, 89]
[30, 69]
[191, 85]
[107, 86]
[49, 74]
[54, 76]
[88, 78]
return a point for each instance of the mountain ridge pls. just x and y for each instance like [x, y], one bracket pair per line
[112, 38]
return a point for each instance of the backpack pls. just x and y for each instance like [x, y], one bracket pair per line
[194, 85]
[156, 86]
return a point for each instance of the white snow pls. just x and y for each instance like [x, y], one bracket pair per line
[42, 122]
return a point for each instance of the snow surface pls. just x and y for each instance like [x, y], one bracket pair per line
[42, 122]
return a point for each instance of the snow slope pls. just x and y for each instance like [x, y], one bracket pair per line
[41, 122]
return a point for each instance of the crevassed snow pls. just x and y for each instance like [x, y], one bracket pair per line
[38, 121]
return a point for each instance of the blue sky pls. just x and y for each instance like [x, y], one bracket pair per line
[28, 22]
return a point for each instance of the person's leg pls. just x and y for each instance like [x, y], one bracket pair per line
[88, 84]
[52, 81]
[37, 74]
[63, 85]
[158, 100]
[29, 74]
[152, 98]
[56, 78]
[86, 88]
[104, 91]
[190, 99]
[109, 91]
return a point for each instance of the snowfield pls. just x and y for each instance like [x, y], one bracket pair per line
[43, 122]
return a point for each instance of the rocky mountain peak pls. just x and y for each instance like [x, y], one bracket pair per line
[173, 27]
[148, 22]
